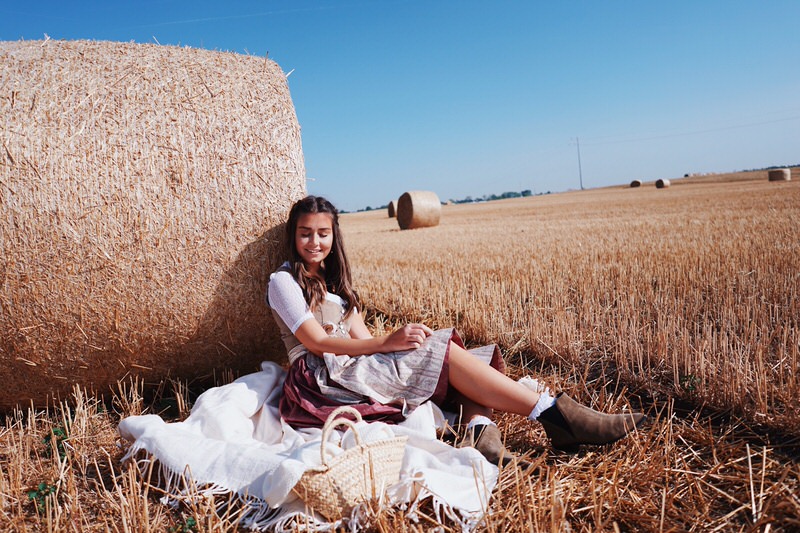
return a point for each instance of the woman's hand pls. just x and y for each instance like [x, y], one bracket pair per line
[409, 337]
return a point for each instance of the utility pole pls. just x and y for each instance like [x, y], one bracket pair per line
[580, 172]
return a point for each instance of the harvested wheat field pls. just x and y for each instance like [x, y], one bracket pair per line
[682, 302]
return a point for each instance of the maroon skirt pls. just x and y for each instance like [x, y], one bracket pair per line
[303, 404]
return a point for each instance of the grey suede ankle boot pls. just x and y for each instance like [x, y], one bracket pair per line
[488, 440]
[569, 424]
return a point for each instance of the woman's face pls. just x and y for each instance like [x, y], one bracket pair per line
[314, 239]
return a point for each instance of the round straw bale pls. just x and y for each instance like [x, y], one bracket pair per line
[780, 174]
[662, 184]
[143, 192]
[418, 209]
[636, 183]
[392, 208]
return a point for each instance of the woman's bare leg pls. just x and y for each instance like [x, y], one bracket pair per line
[470, 409]
[567, 423]
[487, 387]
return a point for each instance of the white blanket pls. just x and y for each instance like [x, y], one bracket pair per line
[235, 441]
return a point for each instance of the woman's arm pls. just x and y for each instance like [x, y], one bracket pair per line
[286, 298]
[358, 330]
[314, 338]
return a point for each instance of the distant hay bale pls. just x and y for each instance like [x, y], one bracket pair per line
[418, 209]
[392, 209]
[636, 183]
[662, 184]
[780, 174]
[143, 189]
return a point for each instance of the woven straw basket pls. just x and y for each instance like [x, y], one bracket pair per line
[359, 474]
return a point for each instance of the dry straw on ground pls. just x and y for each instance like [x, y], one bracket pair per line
[418, 209]
[141, 190]
[392, 209]
[614, 296]
[780, 174]
[662, 184]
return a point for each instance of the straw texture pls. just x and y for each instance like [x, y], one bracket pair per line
[142, 187]
[662, 184]
[418, 209]
[780, 174]
[359, 474]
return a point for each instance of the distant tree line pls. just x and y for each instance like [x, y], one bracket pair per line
[490, 197]
[774, 167]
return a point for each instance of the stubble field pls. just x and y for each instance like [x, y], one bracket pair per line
[682, 302]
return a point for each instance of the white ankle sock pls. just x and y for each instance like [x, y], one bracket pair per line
[545, 402]
[480, 420]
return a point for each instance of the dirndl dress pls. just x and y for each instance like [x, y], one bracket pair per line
[382, 386]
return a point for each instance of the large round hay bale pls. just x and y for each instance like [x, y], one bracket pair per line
[143, 189]
[418, 209]
[392, 209]
[636, 183]
[662, 184]
[779, 174]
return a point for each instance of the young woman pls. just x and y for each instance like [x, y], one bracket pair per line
[334, 360]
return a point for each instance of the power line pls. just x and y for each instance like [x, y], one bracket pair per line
[694, 132]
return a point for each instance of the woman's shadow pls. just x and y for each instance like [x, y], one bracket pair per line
[237, 332]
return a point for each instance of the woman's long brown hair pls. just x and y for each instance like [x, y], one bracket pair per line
[336, 268]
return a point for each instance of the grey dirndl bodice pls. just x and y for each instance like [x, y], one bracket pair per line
[330, 315]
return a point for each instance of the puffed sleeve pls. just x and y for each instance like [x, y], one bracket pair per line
[285, 296]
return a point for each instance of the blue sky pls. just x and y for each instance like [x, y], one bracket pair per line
[467, 98]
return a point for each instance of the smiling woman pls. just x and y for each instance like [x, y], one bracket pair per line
[314, 239]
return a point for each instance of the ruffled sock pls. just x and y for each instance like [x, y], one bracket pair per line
[545, 402]
[480, 420]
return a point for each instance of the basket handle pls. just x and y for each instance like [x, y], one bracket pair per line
[334, 420]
